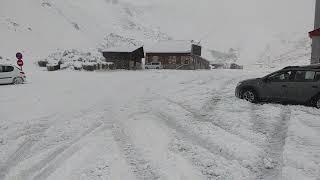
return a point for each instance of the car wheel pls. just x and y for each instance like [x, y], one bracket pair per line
[317, 102]
[250, 96]
[17, 80]
[157, 68]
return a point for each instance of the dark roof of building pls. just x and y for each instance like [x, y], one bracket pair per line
[122, 52]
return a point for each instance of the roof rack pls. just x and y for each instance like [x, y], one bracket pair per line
[312, 66]
[288, 67]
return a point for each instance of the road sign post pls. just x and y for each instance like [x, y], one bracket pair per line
[20, 63]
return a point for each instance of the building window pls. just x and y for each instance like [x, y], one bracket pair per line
[185, 60]
[172, 59]
[178, 59]
[155, 58]
[162, 59]
[165, 60]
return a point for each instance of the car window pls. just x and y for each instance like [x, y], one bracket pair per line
[8, 68]
[317, 76]
[4, 69]
[281, 76]
[303, 76]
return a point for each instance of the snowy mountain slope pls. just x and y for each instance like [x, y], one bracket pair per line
[247, 25]
[37, 27]
[286, 49]
[232, 56]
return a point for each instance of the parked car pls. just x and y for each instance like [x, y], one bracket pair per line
[293, 84]
[10, 74]
[154, 65]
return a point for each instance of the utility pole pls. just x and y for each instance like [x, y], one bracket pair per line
[315, 55]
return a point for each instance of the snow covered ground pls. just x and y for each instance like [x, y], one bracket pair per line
[151, 125]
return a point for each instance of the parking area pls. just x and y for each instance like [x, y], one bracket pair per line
[151, 125]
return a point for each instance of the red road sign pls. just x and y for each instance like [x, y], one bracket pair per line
[20, 62]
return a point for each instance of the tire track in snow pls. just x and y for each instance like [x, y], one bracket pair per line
[217, 96]
[190, 83]
[24, 149]
[198, 141]
[200, 117]
[51, 163]
[308, 110]
[210, 165]
[33, 137]
[211, 106]
[278, 139]
[276, 132]
[142, 168]
[19, 155]
[211, 148]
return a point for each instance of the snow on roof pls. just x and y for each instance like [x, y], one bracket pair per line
[171, 46]
[129, 48]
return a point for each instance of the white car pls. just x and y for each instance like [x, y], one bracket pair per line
[10, 74]
[154, 65]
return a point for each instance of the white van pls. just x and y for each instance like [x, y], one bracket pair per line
[10, 74]
[154, 65]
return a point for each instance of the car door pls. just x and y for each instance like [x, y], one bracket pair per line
[275, 86]
[305, 86]
[6, 74]
[3, 75]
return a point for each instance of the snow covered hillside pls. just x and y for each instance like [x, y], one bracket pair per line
[284, 49]
[38, 27]
[151, 126]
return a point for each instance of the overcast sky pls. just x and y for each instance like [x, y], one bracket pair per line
[229, 23]
[273, 15]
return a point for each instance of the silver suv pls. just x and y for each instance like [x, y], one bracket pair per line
[154, 65]
[293, 84]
